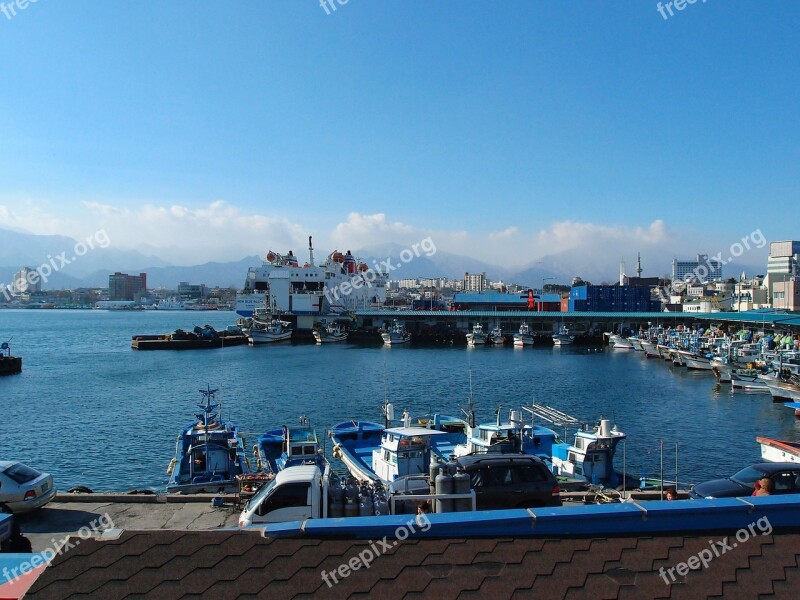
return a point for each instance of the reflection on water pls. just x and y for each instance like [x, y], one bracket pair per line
[94, 412]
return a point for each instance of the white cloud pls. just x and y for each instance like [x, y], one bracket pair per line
[505, 234]
[203, 232]
[362, 231]
[565, 235]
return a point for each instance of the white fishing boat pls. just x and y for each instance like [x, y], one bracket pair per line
[650, 348]
[477, 337]
[396, 334]
[332, 332]
[269, 332]
[636, 342]
[779, 450]
[783, 391]
[617, 342]
[563, 337]
[496, 337]
[523, 337]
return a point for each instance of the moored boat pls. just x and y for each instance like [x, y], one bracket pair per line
[523, 337]
[779, 450]
[617, 342]
[783, 391]
[496, 337]
[285, 446]
[396, 334]
[477, 337]
[563, 337]
[209, 453]
[266, 332]
[332, 332]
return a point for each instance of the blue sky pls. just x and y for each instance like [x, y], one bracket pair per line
[507, 130]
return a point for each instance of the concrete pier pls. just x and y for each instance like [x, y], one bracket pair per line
[68, 513]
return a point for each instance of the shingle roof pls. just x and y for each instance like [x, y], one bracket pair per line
[228, 564]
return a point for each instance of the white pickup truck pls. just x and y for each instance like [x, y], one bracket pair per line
[305, 492]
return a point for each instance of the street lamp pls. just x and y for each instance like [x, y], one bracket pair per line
[541, 299]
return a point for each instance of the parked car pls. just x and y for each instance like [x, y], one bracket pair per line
[510, 481]
[785, 480]
[22, 488]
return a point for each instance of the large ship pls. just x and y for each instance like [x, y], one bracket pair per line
[282, 285]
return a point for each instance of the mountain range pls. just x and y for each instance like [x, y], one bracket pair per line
[92, 268]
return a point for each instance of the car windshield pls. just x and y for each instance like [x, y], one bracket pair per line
[260, 494]
[21, 473]
[748, 476]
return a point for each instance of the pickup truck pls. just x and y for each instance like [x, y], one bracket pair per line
[306, 492]
[475, 482]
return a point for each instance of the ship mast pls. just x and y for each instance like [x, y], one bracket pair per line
[310, 252]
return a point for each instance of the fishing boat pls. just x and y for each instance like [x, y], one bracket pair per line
[512, 436]
[523, 337]
[591, 455]
[371, 451]
[563, 337]
[496, 337]
[396, 334]
[332, 332]
[477, 337]
[783, 391]
[209, 453]
[617, 342]
[650, 348]
[285, 446]
[779, 450]
[636, 342]
[267, 332]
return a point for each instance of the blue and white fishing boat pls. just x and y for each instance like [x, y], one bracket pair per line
[371, 451]
[286, 446]
[209, 453]
[511, 437]
[591, 455]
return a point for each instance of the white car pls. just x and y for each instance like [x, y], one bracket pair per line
[23, 489]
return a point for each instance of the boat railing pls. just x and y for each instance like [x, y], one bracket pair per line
[551, 415]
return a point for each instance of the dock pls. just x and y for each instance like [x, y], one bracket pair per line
[169, 342]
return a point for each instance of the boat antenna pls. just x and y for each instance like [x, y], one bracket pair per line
[469, 412]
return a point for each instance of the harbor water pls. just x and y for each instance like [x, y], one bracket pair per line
[92, 411]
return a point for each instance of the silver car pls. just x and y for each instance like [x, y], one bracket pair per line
[23, 489]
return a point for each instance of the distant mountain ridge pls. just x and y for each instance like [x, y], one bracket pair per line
[19, 249]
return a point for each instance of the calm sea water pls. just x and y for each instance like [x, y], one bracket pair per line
[94, 412]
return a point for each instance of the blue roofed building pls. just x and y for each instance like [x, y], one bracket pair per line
[499, 302]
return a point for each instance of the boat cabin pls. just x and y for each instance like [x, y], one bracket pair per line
[591, 456]
[403, 451]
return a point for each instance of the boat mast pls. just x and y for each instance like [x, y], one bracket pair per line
[310, 252]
